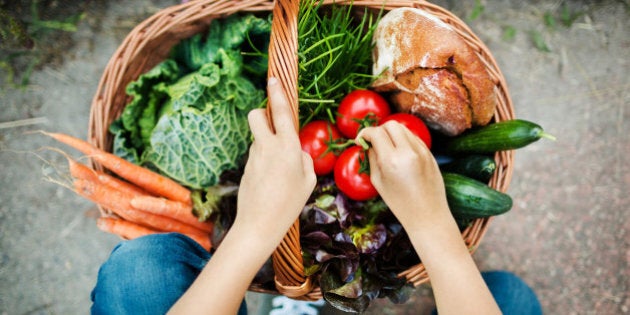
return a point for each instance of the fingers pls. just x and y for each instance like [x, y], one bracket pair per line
[378, 137]
[392, 135]
[397, 133]
[258, 123]
[374, 168]
[282, 115]
[403, 137]
[309, 169]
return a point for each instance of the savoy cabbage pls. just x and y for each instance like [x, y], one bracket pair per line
[188, 115]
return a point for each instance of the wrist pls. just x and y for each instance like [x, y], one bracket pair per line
[437, 236]
[256, 235]
[425, 222]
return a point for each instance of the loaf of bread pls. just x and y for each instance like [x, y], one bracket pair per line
[429, 70]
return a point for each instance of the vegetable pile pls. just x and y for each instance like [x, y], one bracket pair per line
[186, 124]
[142, 202]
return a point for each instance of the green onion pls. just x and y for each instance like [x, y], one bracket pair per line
[334, 56]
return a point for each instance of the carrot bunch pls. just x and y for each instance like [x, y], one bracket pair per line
[144, 202]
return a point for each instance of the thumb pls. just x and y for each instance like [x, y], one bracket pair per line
[282, 115]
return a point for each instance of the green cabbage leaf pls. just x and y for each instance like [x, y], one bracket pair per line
[188, 115]
[206, 130]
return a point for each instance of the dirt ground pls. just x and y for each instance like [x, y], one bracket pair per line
[567, 234]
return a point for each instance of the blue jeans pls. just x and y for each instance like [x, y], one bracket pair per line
[513, 296]
[149, 274]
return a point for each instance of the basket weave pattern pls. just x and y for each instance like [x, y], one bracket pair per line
[150, 42]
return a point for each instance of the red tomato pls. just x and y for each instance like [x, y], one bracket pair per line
[360, 105]
[413, 123]
[315, 137]
[355, 185]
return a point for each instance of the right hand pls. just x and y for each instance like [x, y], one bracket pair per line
[408, 178]
[405, 174]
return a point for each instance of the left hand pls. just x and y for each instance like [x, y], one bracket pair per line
[279, 177]
[277, 182]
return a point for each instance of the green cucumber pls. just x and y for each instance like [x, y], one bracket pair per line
[500, 136]
[471, 199]
[479, 167]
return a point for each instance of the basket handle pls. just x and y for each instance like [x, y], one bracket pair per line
[283, 49]
[288, 265]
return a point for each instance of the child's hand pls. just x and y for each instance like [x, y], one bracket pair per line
[277, 182]
[405, 174]
[278, 177]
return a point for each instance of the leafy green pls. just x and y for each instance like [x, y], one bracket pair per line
[122, 146]
[207, 131]
[345, 296]
[356, 249]
[188, 115]
[244, 38]
[368, 239]
[207, 205]
[139, 116]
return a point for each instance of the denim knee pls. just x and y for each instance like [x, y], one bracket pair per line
[147, 275]
[512, 294]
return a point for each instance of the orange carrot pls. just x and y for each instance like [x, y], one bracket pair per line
[120, 203]
[129, 230]
[102, 194]
[125, 229]
[82, 171]
[145, 178]
[201, 239]
[120, 184]
[173, 209]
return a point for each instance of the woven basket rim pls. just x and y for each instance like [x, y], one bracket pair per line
[168, 26]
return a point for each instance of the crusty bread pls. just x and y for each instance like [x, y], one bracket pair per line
[430, 71]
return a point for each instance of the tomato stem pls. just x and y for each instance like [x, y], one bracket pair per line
[363, 143]
[369, 120]
[339, 145]
[364, 163]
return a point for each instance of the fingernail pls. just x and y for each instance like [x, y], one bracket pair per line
[272, 81]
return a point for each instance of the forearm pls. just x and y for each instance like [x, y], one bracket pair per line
[221, 286]
[457, 283]
[266, 208]
[405, 173]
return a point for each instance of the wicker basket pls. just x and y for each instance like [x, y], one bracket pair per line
[150, 42]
